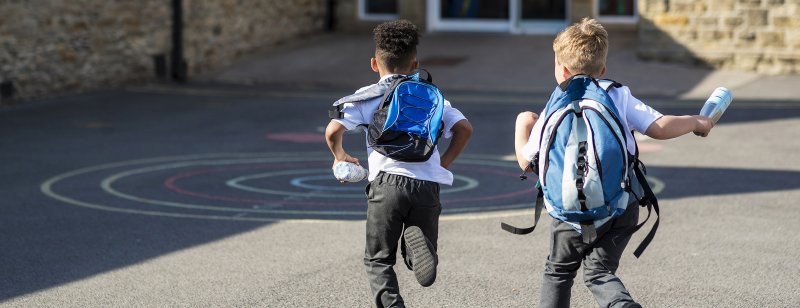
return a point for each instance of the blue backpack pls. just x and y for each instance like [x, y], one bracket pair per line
[584, 168]
[408, 123]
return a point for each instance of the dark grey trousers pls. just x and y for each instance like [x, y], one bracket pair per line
[394, 203]
[600, 261]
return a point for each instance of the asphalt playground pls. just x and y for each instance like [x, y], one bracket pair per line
[219, 192]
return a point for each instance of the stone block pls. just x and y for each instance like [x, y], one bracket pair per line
[787, 64]
[651, 7]
[786, 22]
[747, 36]
[707, 21]
[755, 17]
[713, 37]
[732, 22]
[750, 3]
[682, 7]
[792, 40]
[768, 66]
[747, 61]
[722, 6]
[670, 20]
[700, 7]
[767, 39]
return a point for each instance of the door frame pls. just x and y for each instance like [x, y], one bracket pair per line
[615, 19]
[514, 24]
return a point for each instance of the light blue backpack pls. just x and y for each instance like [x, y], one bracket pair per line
[585, 170]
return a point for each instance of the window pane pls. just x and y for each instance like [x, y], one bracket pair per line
[381, 7]
[615, 7]
[475, 9]
[544, 9]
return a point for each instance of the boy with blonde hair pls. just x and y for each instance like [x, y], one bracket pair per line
[580, 56]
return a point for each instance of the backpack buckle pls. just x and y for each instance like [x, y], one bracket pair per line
[626, 184]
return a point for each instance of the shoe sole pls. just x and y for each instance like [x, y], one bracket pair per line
[424, 263]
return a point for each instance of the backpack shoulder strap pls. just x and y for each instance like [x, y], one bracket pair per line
[387, 96]
[364, 94]
[427, 77]
[607, 84]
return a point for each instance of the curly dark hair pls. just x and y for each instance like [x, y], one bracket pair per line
[396, 43]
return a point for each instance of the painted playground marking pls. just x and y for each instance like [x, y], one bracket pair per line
[295, 187]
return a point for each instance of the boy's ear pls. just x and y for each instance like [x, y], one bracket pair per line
[602, 72]
[566, 72]
[373, 63]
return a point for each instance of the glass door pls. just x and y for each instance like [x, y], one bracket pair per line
[469, 15]
[516, 16]
[539, 16]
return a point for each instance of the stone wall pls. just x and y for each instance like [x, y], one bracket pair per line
[50, 46]
[751, 35]
[219, 31]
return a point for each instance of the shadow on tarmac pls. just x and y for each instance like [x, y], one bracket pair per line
[683, 182]
[46, 243]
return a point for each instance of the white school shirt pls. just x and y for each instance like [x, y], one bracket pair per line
[634, 115]
[360, 113]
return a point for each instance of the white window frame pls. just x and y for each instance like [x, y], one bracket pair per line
[363, 15]
[616, 19]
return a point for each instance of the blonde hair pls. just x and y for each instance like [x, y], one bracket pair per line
[582, 47]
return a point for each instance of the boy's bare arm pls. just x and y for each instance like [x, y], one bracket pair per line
[333, 136]
[669, 126]
[462, 131]
[522, 132]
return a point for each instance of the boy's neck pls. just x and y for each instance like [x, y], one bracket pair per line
[383, 73]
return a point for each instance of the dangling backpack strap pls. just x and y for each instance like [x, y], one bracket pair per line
[537, 214]
[387, 97]
[648, 200]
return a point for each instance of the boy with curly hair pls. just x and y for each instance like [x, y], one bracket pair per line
[581, 49]
[403, 197]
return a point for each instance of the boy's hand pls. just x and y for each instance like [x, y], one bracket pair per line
[703, 126]
[333, 136]
[346, 157]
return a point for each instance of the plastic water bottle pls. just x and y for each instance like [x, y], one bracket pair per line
[349, 172]
[717, 103]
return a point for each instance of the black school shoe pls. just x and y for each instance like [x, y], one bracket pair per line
[420, 256]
